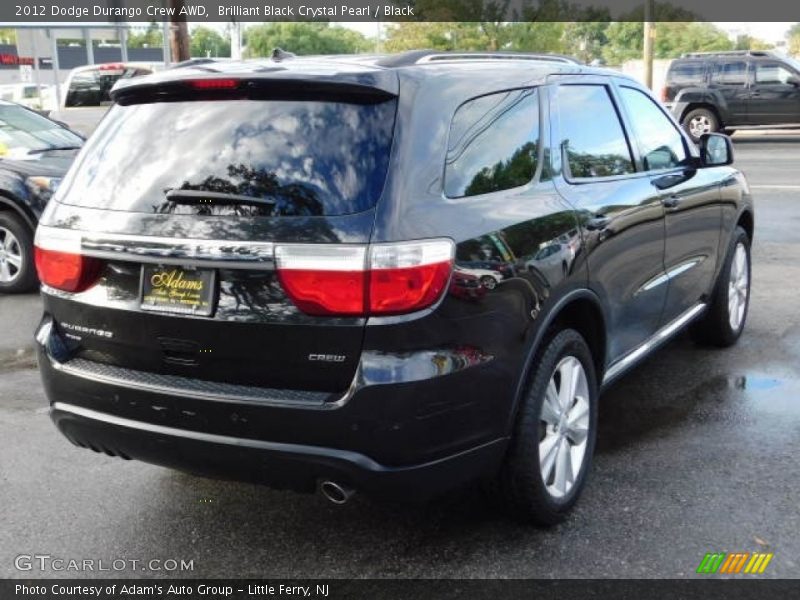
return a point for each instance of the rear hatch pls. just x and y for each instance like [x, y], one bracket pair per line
[187, 200]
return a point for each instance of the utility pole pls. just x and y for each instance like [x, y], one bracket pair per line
[648, 43]
[179, 33]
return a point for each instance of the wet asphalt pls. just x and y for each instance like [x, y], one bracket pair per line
[698, 451]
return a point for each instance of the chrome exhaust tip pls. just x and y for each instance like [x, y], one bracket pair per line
[335, 492]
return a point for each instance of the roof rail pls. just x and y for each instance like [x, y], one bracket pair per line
[728, 53]
[416, 57]
[497, 56]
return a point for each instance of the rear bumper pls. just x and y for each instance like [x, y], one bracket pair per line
[280, 465]
[413, 438]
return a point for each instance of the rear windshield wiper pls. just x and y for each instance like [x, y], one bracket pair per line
[202, 197]
[52, 148]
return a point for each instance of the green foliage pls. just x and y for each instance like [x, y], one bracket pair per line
[208, 42]
[8, 36]
[793, 39]
[477, 36]
[625, 40]
[303, 38]
[748, 42]
[152, 37]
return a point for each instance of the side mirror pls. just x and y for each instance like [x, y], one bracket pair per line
[716, 150]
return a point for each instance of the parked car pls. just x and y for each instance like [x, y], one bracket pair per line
[726, 91]
[36, 97]
[85, 96]
[35, 152]
[247, 273]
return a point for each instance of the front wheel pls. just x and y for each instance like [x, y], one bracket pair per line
[724, 321]
[549, 455]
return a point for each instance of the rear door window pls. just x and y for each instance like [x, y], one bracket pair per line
[730, 73]
[592, 139]
[493, 144]
[292, 158]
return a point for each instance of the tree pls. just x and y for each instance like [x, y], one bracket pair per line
[8, 36]
[303, 38]
[207, 42]
[476, 36]
[672, 39]
[748, 42]
[148, 38]
[793, 37]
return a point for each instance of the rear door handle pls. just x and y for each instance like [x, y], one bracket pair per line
[672, 201]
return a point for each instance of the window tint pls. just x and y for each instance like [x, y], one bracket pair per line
[730, 73]
[686, 73]
[772, 73]
[591, 133]
[660, 142]
[301, 158]
[493, 145]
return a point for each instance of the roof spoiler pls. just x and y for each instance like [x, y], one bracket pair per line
[362, 88]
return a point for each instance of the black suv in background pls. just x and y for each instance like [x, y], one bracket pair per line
[710, 92]
[35, 153]
[329, 273]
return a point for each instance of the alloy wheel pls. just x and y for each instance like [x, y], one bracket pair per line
[698, 125]
[738, 287]
[564, 427]
[10, 256]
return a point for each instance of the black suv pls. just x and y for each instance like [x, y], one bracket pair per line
[35, 153]
[710, 92]
[328, 273]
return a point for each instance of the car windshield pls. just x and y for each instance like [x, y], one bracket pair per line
[793, 62]
[26, 134]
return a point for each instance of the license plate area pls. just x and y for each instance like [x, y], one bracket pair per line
[178, 290]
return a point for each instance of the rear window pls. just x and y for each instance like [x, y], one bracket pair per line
[292, 158]
[686, 73]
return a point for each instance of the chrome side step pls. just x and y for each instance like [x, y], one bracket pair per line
[652, 343]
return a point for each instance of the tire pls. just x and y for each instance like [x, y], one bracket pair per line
[488, 282]
[525, 487]
[719, 326]
[17, 271]
[699, 121]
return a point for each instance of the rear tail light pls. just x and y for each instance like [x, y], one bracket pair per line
[59, 262]
[323, 279]
[664, 94]
[388, 279]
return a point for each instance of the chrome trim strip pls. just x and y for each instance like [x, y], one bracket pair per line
[347, 455]
[165, 250]
[187, 392]
[162, 250]
[671, 274]
[653, 342]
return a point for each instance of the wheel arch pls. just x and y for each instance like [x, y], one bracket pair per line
[7, 203]
[580, 310]
[747, 222]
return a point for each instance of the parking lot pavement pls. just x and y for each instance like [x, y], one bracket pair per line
[697, 453]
